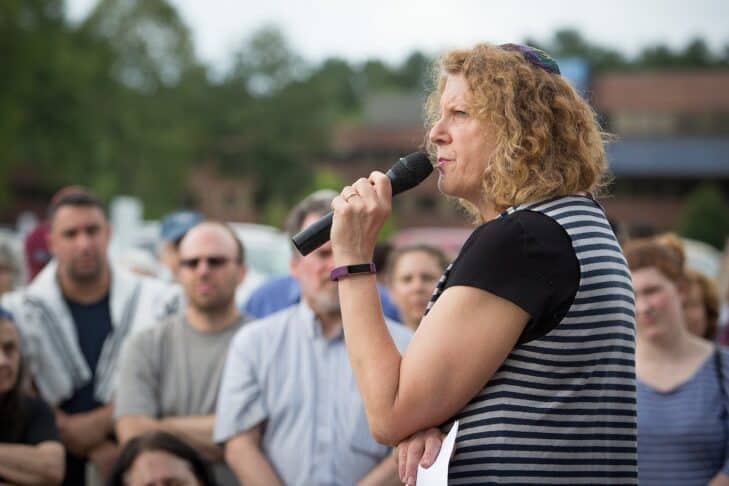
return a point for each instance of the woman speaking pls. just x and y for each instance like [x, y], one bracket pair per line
[529, 339]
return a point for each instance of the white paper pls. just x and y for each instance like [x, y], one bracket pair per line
[437, 473]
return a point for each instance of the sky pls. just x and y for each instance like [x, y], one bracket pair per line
[391, 29]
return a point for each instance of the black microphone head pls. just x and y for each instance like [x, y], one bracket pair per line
[409, 171]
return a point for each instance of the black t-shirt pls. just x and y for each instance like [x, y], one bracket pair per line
[37, 423]
[93, 325]
[526, 258]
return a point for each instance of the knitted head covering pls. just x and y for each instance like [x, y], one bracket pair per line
[536, 57]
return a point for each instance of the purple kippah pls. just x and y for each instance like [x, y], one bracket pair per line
[536, 57]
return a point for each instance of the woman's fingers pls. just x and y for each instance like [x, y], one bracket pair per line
[420, 449]
[433, 441]
[402, 459]
[414, 454]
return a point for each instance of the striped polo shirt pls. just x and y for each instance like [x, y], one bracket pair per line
[561, 408]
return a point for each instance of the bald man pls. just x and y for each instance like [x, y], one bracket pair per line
[170, 373]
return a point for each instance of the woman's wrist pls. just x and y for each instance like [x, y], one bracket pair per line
[343, 271]
[351, 258]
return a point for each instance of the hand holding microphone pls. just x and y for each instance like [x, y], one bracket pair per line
[407, 172]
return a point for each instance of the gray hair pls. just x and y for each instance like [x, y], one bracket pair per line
[319, 202]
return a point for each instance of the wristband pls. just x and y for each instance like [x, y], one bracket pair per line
[347, 270]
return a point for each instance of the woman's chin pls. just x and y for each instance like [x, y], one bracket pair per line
[445, 188]
[652, 333]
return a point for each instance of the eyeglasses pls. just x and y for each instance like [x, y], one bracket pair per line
[212, 261]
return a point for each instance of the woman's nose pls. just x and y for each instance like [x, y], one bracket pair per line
[642, 306]
[438, 133]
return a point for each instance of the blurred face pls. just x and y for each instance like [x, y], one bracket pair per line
[9, 356]
[78, 239]
[658, 309]
[465, 143]
[694, 309]
[312, 272]
[411, 284]
[159, 468]
[209, 268]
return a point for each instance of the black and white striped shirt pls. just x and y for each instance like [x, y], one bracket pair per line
[561, 408]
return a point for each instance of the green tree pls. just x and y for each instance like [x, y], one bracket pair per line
[148, 133]
[571, 43]
[152, 44]
[265, 62]
[337, 79]
[414, 73]
[270, 123]
[705, 216]
[47, 121]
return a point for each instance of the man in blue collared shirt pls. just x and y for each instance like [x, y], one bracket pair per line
[289, 411]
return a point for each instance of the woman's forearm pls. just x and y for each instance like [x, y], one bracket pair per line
[372, 353]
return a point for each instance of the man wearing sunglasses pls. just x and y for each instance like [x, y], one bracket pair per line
[170, 373]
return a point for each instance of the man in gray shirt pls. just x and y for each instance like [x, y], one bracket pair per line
[170, 373]
[289, 411]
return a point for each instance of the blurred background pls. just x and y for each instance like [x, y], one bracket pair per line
[238, 109]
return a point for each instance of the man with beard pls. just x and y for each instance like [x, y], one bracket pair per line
[73, 319]
[289, 411]
[170, 373]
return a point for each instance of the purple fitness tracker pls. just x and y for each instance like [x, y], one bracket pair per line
[347, 270]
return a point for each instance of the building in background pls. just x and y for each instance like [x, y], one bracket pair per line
[671, 128]
[672, 132]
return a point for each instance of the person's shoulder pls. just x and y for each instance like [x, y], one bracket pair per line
[274, 285]
[153, 335]
[13, 301]
[494, 237]
[264, 328]
[163, 293]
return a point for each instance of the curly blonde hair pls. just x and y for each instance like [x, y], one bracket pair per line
[548, 141]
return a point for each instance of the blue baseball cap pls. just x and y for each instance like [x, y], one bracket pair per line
[175, 225]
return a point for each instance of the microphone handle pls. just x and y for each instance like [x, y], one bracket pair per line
[319, 232]
[314, 235]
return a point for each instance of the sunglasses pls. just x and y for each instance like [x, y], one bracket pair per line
[212, 261]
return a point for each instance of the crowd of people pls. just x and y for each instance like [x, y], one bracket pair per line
[566, 355]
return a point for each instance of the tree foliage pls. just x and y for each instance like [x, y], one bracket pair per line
[705, 216]
[120, 102]
[571, 43]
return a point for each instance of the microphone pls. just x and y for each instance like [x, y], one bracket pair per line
[407, 173]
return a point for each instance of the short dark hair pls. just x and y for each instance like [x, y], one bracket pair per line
[159, 441]
[73, 196]
[319, 202]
